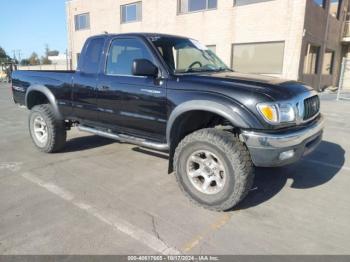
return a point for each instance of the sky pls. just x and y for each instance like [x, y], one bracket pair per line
[28, 25]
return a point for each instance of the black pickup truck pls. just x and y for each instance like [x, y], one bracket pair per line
[172, 94]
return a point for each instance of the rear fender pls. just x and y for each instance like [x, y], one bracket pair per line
[49, 95]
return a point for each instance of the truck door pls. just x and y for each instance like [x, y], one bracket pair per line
[133, 104]
[84, 95]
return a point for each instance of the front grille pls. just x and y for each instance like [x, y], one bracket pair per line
[311, 107]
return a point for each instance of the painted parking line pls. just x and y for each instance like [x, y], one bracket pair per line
[327, 164]
[12, 166]
[223, 220]
[123, 226]
[334, 113]
[346, 129]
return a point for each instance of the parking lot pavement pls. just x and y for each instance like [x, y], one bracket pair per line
[103, 197]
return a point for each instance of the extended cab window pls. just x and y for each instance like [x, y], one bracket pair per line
[121, 55]
[92, 56]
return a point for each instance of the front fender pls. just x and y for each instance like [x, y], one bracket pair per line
[237, 115]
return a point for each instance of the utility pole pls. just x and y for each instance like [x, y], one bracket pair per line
[14, 54]
[19, 52]
[66, 53]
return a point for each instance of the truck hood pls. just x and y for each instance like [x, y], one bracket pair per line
[242, 86]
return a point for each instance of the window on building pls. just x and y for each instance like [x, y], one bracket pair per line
[321, 3]
[334, 8]
[131, 12]
[258, 58]
[212, 48]
[186, 6]
[92, 56]
[328, 58]
[247, 2]
[122, 53]
[347, 17]
[311, 59]
[82, 21]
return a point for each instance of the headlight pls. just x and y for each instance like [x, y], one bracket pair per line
[277, 113]
[286, 113]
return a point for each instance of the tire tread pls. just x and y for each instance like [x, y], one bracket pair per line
[236, 152]
[58, 136]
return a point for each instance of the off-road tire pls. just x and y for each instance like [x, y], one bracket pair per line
[234, 155]
[56, 131]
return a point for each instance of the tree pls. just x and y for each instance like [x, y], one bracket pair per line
[3, 56]
[34, 59]
[25, 62]
[45, 60]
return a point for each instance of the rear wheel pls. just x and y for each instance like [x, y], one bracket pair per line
[46, 130]
[213, 168]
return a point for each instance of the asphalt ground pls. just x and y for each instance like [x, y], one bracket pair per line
[99, 196]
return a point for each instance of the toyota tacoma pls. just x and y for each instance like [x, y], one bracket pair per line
[172, 94]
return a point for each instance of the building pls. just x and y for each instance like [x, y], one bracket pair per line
[60, 59]
[294, 39]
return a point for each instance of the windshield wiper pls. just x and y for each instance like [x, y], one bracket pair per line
[199, 70]
[195, 70]
[220, 69]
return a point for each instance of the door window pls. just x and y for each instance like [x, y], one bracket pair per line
[121, 55]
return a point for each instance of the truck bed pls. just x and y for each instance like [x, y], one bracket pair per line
[23, 79]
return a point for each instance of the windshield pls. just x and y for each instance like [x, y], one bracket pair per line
[185, 55]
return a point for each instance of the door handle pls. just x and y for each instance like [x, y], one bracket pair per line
[103, 88]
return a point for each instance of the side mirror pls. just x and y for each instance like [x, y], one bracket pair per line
[144, 67]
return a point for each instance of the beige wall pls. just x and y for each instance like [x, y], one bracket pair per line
[44, 67]
[276, 20]
[2, 75]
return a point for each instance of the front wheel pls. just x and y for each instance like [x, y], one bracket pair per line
[46, 130]
[213, 168]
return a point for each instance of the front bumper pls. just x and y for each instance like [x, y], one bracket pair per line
[265, 149]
